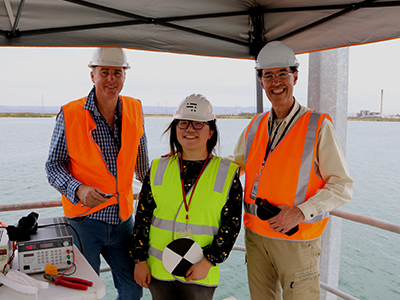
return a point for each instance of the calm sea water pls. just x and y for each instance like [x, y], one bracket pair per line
[370, 260]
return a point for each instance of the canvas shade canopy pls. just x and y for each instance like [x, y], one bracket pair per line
[224, 28]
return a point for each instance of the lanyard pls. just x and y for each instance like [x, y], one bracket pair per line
[254, 189]
[271, 141]
[194, 186]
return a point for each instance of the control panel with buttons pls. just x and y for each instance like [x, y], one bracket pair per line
[52, 244]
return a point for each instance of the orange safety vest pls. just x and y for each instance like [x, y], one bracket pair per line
[86, 160]
[288, 176]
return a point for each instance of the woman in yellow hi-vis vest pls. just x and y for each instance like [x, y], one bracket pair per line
[189, 196]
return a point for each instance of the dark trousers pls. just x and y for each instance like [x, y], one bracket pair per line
[176, 290]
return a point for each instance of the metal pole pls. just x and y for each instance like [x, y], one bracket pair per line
[328, 92]
[259, 96]
[19, 13]
[367, 220]
[9, 12]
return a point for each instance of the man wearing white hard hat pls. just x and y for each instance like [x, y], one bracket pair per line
[189, 211]
[98, 144]
[295, 174]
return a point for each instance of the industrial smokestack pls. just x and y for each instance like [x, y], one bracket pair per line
[382, 103]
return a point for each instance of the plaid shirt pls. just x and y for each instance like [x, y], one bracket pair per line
[109, 142]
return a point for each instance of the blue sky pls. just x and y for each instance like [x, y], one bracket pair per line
[55, 76]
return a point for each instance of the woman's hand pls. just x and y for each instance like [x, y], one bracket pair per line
[142, 274]
[199, 270]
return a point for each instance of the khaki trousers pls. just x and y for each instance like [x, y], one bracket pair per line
[277, 268]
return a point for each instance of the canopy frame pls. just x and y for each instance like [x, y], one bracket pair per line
[254, 41]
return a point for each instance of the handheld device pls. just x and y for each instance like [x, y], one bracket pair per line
[266, 210]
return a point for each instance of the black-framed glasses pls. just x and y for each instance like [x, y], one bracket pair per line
[184, 124]
[280, 75]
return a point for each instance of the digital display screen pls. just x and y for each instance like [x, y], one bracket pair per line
[28, 255]
[3, 252]
[29, 247]
[47, 245]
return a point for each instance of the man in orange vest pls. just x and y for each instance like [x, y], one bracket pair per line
[295, 174]
[98, 143]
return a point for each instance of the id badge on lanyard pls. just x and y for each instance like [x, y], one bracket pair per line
[186, 233]
[253, 194]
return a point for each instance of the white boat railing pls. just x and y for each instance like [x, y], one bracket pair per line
[338, 213]
[366, 220]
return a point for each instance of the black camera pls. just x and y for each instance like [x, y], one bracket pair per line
[266, 210]
[26, 227]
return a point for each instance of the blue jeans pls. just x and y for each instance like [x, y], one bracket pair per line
[112, 242]
[176, 290]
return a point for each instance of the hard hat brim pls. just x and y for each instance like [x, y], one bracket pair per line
[97, 65]
[192, 118]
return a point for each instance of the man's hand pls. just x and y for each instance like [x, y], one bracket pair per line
[142, 274]
[90, 196]
[288, 218]
[199, 270]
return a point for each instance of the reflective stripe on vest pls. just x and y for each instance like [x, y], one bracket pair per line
[305, 174]
[251, 133]
[86, 160]
[204, 211]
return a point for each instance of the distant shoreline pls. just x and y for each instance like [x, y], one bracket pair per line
[52, 115]
[238, 116]
[227, 116]
[373, 119]
[27, 115]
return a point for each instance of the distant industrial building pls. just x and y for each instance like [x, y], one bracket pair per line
[368, 114]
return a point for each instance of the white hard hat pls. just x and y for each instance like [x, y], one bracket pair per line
[195, 108]
[276, 55]
[112, 57]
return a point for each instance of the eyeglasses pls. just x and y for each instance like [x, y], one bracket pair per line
[184, 124]
[280, 75]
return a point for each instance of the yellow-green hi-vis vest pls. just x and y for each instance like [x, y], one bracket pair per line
[209, 198]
